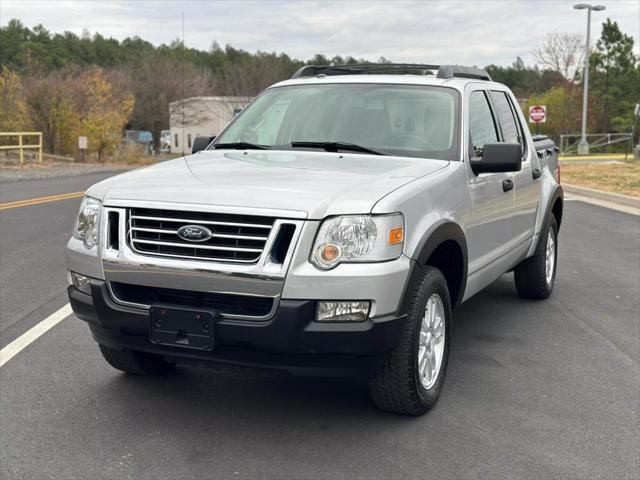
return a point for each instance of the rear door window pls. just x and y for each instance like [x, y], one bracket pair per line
[511, 130]
[482, 127]
[505, 117]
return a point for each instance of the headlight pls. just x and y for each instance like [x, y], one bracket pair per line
[358, 238]
[87, 223]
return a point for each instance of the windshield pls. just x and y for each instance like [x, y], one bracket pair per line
[404, 120]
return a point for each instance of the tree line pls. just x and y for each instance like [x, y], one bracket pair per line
[614, 88]
[65, 85]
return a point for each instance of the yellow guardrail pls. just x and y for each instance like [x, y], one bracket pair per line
[21, 146]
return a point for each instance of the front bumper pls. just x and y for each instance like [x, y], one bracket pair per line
[291, 340]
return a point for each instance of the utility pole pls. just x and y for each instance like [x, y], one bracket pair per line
[583, 146]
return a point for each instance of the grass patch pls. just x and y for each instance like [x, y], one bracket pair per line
[612, 177]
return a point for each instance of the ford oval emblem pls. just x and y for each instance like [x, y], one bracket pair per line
[194, 233]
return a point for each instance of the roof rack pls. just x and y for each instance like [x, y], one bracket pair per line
[460, 71]
[443, 71]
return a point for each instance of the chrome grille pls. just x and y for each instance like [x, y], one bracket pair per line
[236, 238]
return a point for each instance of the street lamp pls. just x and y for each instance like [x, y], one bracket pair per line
[583, 146]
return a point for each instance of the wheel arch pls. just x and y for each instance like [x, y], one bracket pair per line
[554, 207]
[445, 248]
[557, 208]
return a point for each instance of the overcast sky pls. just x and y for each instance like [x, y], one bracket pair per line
[469, 32]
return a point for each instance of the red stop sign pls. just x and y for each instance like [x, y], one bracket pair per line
[537, 113]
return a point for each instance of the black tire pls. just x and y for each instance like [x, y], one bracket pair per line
[530, 275]
[394, 382]
[137, 363]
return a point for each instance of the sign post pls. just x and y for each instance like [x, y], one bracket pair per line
[537, 115]
[82, 145]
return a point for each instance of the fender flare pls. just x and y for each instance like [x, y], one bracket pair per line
[427, 245]
[558, 193]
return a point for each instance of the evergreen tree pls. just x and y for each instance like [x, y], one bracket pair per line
[615, 74]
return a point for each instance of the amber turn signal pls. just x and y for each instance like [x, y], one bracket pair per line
[329, 253]
[396, 235]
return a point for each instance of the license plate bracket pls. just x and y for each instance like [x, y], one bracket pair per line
[183, 327]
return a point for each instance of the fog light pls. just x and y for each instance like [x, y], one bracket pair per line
[81, 283]
[342, 311]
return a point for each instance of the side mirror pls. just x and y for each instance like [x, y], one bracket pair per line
[498, 157]
[201, 142]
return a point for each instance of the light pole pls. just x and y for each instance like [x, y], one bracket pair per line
[583, 146]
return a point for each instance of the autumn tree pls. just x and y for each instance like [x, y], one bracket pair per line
[244, 74]
[68, 103]
[50, 101]
[103, 112]
[561, 52]
[157, 81]
[524, 80]
[14, 116]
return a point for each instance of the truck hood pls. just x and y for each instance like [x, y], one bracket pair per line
[308, 184]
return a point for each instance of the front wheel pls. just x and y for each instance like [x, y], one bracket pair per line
[536, 276]
[409, 379]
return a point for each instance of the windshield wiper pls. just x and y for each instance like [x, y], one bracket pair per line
[335, 146]
[241, 146]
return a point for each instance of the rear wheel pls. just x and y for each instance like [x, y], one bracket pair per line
[536, 275]
[409, 379]
[138, 363]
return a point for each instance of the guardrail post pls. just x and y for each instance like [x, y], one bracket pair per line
[40, 147]
[20, 148]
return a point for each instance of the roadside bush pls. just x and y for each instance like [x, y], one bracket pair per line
[128, 153]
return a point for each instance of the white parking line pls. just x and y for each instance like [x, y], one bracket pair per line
[31, 335]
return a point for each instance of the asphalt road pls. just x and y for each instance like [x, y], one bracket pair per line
[32, 250]
[534, 389]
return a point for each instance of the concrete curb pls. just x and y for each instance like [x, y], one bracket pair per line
[9, 176]
[616, 198]
[595, 157]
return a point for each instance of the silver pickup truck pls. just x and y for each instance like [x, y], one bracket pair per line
[330, 229]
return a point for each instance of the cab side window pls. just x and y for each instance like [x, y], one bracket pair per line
[511, 131]
[482, 128]
[505, 117]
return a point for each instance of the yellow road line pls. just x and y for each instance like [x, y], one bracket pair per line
[39, 200]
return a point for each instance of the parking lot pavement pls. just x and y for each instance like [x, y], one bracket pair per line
[32, 250]
[534, 389]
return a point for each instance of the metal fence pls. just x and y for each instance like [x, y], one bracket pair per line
[569, 143]
[21, 145]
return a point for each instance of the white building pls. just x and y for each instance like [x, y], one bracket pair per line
[195, 116]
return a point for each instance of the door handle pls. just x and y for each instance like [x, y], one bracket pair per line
[536, 173]
[507, 184]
